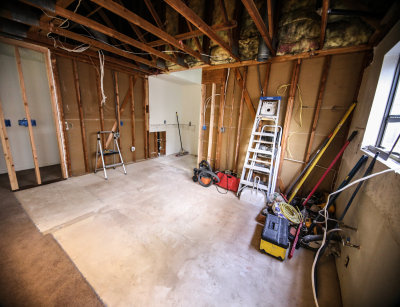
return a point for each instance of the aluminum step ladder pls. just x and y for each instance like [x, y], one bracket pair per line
[108, 152]
[263, 152]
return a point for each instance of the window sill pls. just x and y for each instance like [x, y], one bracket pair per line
[390, 163]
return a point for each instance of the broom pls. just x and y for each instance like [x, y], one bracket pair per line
[182, 152]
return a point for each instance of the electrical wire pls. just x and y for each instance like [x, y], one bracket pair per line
[76, 8]
[281, 90]
[77, 49]
[291, 213]
[325, 215]
[205, 107]
[101, 62]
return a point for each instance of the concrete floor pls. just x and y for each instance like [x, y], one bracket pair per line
[155, 238]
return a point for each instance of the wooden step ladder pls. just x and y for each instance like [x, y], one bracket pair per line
[108, 152]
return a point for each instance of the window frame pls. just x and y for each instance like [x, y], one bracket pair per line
[387, 117]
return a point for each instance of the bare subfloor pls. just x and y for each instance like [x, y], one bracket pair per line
[155, 238]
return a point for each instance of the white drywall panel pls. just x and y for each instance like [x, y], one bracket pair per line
[169, 94]
[38, 95]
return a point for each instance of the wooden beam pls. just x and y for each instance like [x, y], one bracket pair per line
[259, 22]
[324, 21]
[190, 15]
[100, 45]
[23, 44]
[93, 59]
[226, 20]
[220, 125]
[239, 126]
[113, 33]
[61, 112]
[208, 18]
[321, 91]
[290, 57]
[81, 118]
[246, 95]
[117, 104]
[194, 33]
[114, 127]
[201, 123]
[85, 40]
[144, 24]
[228, 145]
[132, 81]
[237, 15]
[106, 20]
[211, 125]
[196, 39]
[156, 18]
[62, 3]
[50, 27]
[28, 115]
[5, 143]
[270, 19]
[154, 14]
[266, 80]
[146, 116]
[137, 32]
[101, 107]
[289, 110]
[58, 120]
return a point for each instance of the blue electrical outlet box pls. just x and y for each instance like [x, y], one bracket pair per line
[24, 122]
[7, 122]
[121, 123]
[204, 127]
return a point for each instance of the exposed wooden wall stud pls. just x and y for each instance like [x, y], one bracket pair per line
[220, 126]
[81, 118]
[324, 20]
[321, 91]
[7, 153]
[132, 81]
[101, 107]
[289, 111]
[201, 123]
[58, 120]
[28, 115]
[239, 126]
[146, 116]
[211, 126]
[246, 95]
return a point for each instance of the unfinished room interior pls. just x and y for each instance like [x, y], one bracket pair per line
[199, 153]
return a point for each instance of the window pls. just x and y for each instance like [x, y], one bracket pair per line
[389, 132]
[382, 133]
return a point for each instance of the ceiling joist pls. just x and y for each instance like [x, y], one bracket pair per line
[60, 11]
[144, 24]
[190, 15]
[259, 22]
[112, 33]
[324, 21]
[195, 33]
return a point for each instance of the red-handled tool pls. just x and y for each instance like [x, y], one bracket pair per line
[296, 238]
[340, 153]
